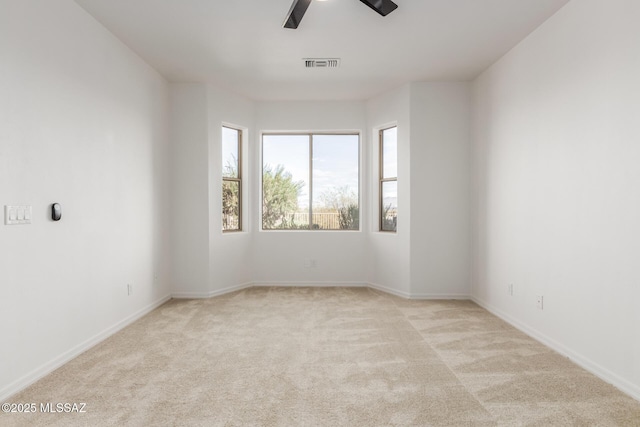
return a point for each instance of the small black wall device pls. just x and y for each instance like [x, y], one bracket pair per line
[56, 212]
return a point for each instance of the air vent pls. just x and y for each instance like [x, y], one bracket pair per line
[321, 62]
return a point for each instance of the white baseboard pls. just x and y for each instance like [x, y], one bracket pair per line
[440, 296]
[312, 284]
[594, 368]
[191, 295]
[210, 294]
[318, 284]
[386, 290]
[71, 354]
[408, 295]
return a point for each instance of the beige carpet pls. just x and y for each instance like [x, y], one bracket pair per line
[324, 356]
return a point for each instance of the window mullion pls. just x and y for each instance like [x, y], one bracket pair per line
[310, 182]
[239, 180]
[380, 177]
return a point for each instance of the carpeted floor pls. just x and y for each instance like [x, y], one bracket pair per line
[324, 357]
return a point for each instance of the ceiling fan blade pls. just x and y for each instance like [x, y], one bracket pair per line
[383, 7]
[298, 8]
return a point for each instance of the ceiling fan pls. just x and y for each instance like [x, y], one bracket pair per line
[299, 7]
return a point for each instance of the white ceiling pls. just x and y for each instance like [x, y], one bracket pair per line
[241, 45]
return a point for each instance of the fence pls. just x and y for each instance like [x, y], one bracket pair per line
[323, 221]
[230, 222]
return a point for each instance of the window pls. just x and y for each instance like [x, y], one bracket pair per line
[231, 179]
[389, 179]
[310, 182]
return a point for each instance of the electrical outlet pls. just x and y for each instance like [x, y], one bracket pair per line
[129, 289]
[539, 302]
[510, 289]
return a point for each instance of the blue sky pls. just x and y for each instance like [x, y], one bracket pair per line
[335, 161]
[229, 148]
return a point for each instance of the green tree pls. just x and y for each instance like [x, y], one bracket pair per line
[230, 198]
[389, 218]
[279, 197]
[344, 201]
[230, 205]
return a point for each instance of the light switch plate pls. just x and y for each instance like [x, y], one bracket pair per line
[17, 215]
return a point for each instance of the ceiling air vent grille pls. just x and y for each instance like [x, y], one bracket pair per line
[321, 62]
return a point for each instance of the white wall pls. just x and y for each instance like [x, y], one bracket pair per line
[208, 262]
[83, 122]
[189, 190]
[205, 261]
[389, 253]
[557, 186]
[279, 256]
[429, 256]
[230, 253]
[440, 193]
